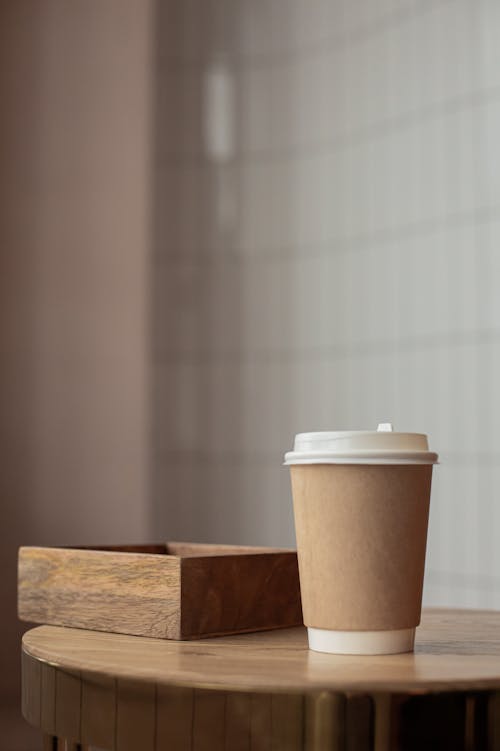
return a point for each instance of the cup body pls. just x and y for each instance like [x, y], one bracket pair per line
[361, 539]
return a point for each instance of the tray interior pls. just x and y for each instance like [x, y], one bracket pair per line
[187, 549]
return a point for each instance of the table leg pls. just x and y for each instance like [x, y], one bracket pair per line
[50, 742]
[53, 743]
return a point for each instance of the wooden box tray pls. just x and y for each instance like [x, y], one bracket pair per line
[177, 590]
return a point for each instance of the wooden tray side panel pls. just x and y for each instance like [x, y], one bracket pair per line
[222, 595]
[131, 593]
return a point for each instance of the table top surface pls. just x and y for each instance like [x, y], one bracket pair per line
[454, 650]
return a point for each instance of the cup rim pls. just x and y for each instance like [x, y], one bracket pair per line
[372, 456]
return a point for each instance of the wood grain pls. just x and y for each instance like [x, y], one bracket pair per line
[266, 691]
[171, 591]
[287, 719]
[454, 649]
[209, 708]
[225, 595]
[324, 725]
[137, 593]
[135, 715]
[68, 703]
[237, 724]
[261, 722]
[98, 704]
[48, 698]
[174, 702]
[32, 682]
[359, 714]
[493, 715]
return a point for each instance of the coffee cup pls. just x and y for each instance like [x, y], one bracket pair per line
[361, 507]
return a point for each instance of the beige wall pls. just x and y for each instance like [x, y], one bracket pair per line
[74, 241]
[339, 267]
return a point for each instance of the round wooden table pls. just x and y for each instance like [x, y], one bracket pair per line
[266, 691]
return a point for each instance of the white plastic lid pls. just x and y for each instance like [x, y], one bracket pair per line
[381, 446]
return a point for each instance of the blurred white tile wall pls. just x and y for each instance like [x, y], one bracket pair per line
[334, 262]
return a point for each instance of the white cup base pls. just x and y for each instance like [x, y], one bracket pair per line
[361, 642]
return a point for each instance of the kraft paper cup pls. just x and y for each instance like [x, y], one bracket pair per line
[361, 506]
